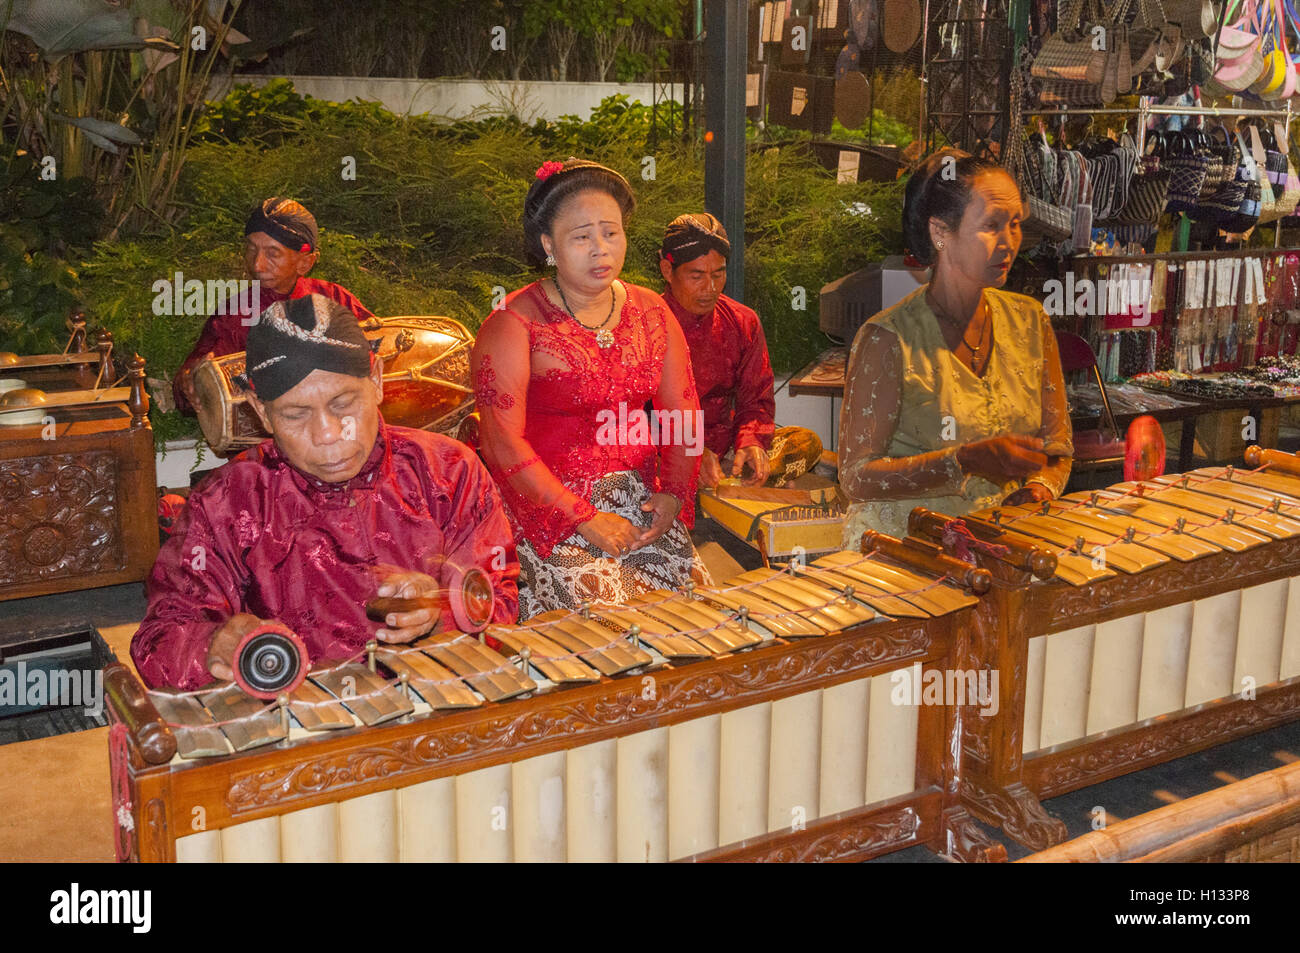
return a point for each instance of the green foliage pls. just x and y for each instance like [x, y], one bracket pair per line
[44, 225]
[36, 294]
[881, 130]
[616, 120]
[802, 229]
[273, 114]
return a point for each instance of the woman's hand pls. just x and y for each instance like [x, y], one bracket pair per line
[610, 532]
[1029, 493]
[1012, 457]
[665, 508]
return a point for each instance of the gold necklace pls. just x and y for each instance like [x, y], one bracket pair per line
[604, 336]
[979, 343]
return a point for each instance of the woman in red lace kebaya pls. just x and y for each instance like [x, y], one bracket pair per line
[600, 493]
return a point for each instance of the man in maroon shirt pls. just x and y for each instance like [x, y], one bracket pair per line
[335, 509]
[280, 248]
[729, 360]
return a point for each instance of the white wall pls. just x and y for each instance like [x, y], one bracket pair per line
[821, 415]
[458, 98]
[175, 464]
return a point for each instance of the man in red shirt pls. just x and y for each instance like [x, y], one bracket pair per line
[335, 509]
[280, 248]
[729, 359]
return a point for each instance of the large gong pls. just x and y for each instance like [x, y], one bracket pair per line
[426, 382]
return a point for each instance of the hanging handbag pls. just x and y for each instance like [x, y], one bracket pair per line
[1269, 208]
[1216, 171]
[1196, 17]
[1247, 214]
[1147, 193]
[1290, 181]
[1071, 59]
[1045, 219]
[1186, 172]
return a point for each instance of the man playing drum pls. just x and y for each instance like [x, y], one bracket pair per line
[335, 509]
[280, 248]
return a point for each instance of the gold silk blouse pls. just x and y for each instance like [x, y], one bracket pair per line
[909, 403]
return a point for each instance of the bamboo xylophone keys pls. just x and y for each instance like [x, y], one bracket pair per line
[714, 629]
[246, 722]
[1122, 526]
[364, 693]
[196, 734]
[797, 593]
[1230, 537]
[552, 660]
[488, 672]
[438, 686]
[316, 709]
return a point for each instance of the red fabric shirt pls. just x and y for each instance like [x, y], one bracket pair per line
[543, 387]
[224, 334]
[260, 536]
[732, 372]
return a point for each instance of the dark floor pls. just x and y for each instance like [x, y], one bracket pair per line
[1147, 790]
[98, 608]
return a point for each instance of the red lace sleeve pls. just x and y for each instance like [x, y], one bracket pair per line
[679, 461]
[544, 509]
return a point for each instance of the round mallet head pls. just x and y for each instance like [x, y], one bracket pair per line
[471, 600]
[270, 661]
[1144, 449]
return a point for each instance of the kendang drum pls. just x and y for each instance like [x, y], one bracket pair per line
[426, 382]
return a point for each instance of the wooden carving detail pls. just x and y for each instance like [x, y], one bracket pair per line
[454, 367]
[965, 841]
[1072, 606]
[155, 814]
[1016, 810]
[515, 730]
[59, 516]
[878, 835]
[1066, 770]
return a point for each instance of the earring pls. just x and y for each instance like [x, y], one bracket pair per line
[550, 261]
[938, 244]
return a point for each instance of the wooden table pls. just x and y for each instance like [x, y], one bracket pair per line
[78, 497]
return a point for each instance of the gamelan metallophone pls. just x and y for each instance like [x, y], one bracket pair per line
[1171, 623]
[752, 720]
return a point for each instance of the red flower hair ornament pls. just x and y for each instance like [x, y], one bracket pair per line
[548, 169]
